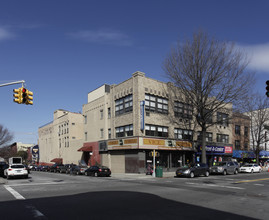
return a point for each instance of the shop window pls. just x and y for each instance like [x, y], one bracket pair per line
[157, 131]
[156, 104]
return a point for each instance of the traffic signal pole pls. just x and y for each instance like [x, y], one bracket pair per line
[13, 83]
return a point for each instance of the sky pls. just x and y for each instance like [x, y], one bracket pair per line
[64, 49]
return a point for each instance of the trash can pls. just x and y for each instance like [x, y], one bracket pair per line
[159, 172]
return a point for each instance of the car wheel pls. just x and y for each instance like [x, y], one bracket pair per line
[224, 172]
[252, 171]
[191, 175]
[207, 174]
[235, 171]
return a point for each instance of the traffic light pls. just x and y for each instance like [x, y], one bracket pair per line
[267, 88]
[27, 96]
[17, 95]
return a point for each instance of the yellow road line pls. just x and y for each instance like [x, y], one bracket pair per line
[247, 181]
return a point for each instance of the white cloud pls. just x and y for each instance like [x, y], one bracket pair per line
[103, 36]
[5, 34]
[258, 55]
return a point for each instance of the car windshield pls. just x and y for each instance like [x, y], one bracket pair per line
[220, 163]
[103, 167]
[249, 165]
[17, 166]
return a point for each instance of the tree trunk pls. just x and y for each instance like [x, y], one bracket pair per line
[204, 145]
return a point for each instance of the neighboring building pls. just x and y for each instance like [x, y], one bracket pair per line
[23, 147]
[124, 123]
[60, 139]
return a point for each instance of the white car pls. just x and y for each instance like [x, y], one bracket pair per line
[250, 168]
[16, 170]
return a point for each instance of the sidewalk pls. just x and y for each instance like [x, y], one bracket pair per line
[141, 175]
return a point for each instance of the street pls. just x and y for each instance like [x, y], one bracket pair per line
[60, 196]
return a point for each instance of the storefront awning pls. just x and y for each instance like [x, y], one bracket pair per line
[243, 154]
[57, 160]
[264, 154]
[85, 148]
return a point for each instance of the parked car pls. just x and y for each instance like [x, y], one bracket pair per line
[225, 167]
[250, 168]
[191, 170]
[45, 168]
[16, 170]
[98, 171]
[79, 169]
[55, 168]
[64, 168]
[3, 166]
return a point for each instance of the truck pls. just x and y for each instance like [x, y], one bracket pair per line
[15, 160]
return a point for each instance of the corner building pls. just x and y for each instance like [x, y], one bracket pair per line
[124, 123]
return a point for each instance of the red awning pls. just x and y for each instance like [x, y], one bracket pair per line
[85, 148]
[57, 160]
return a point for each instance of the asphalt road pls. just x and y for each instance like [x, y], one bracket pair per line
[61, 196]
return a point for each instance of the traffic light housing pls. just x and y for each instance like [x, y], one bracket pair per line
[267, 88]
[17, 95]
[27, 96]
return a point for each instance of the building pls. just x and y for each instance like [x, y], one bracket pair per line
[60, 139]
[125, 123]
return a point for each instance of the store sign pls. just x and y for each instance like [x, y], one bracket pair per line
[228, 150]
[214, 149]
[153, 142]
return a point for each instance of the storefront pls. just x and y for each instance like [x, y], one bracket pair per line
[215, 154]
[244, 156]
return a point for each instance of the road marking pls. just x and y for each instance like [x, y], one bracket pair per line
[214, 185]
[248, 181]
[14, 193]
[258, 184]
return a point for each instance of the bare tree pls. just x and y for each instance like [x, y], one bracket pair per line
[5, 136]
[257, 109]
[210, 75]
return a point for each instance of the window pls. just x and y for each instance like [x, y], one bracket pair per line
[156, 104]
[183, 110]
[155, 130]
[109, 133]
[60, 143]
[237, 129]
[222, 118]
[109, 113]
[237, 145]
[183, 134]
[101, 133]
[208, 138]
[246, 131]
[86, 136]
[246, 146]
[101, 114]
[124, 131]
[67, 128]
[85, 119]
[223, 138]
[124, 105]
[67, 141]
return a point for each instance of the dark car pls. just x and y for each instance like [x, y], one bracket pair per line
[98, 171]
[55, 168]
[78, 169]
[191, 170]
[3, 166]
[65, 168]
[45, 168]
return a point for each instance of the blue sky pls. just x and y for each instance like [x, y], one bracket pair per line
[64, 49]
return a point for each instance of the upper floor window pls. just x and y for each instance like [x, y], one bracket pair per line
[85, 119]
[237, 129]
[156, 104]
[109, 113]
[101, 114]
[124, 131]
[223, 138]
[237, 145]
[109, 133]
[208, 138]
[183, 110]
[246, 131]
[124, 105]
[155, 130]
[183, 134]
[222, 118]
